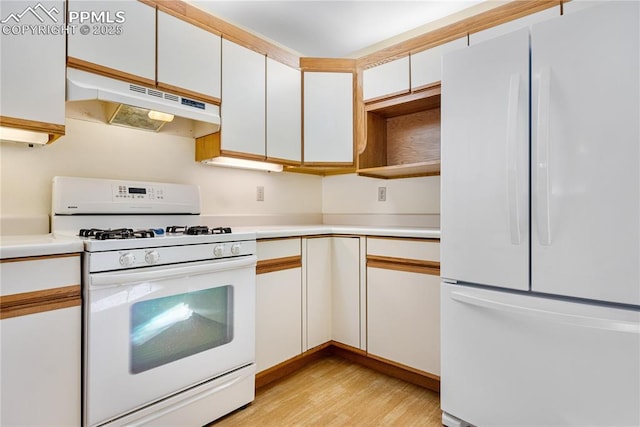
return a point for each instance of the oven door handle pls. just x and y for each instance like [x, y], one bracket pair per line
[143, 275]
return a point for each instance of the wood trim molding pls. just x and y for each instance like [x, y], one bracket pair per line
[40, 257]
[361, 357]
[490, 18]
[387, 367]
[289, 366]
[90, 67]
[189, 93]
[54, 130]
[404, 264]
[278, 264]
[337, 65]
[39, 301]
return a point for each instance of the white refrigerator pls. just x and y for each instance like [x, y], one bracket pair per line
[540, 223]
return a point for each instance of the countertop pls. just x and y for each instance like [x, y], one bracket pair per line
[268, 232]
[47, 244]
[37, 245]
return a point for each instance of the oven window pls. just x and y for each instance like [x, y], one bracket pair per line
[171, 328]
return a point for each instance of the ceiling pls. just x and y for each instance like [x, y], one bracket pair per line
[334, 29]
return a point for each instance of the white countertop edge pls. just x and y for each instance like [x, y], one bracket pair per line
[270, 232]
[32, 245]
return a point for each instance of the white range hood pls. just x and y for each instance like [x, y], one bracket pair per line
[134, 105]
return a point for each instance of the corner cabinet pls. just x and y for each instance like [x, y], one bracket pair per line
[40, 373]
[334, 311]
[328, 116]
[243, 111]
[33, 71]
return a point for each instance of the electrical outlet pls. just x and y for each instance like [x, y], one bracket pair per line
[382, 194]
[260, 193]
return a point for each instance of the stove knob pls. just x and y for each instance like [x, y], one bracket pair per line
[127, 259]
[235, 249]
[152, 257]
[218, 250]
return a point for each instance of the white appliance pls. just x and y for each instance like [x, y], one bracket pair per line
[540, 248]
[132, 103]
[169, 310]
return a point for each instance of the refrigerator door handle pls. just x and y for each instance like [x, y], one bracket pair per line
[512, 159]
[543, 190]
[552, 316]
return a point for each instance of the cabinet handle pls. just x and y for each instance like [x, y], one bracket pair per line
[512, 159]
[543, 191]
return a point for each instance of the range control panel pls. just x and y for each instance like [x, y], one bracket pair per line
[123, 192]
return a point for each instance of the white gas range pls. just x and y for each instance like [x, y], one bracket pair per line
[168, 303]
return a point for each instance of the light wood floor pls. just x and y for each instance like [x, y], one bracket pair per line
[336, 392]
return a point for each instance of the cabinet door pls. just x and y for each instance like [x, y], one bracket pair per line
[40, 372]
[345, 291]
[391, 78]
[242, 114]
[516, 24]
[129, 52]
[33, 66]
[188, 58]
[278, 317]
[318, 291]
[403, 311]
[328, 118]
[284, 112]
[426, 66]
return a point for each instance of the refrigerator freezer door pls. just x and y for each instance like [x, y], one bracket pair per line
[485, 163]
[513, 360]
[586, 154]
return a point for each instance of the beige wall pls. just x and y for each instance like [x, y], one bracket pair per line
[352, 199]
[98, 150]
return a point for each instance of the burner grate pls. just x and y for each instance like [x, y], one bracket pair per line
[118, 233]
[197, 230]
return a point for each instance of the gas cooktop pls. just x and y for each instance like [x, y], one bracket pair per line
[130, 233]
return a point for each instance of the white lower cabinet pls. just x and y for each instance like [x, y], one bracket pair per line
[40, 339]
[403, 302]
[278, 302]
[317, 260]
[333, 308]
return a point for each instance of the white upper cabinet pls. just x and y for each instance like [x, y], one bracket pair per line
[516, 24]
[284, 112]
[243, 107]
[328, 118]
[426, 66]
[127, 46]
[391, 78]
[33, 66]
[188, 57]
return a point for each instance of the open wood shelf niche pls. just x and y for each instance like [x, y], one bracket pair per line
[403, 136]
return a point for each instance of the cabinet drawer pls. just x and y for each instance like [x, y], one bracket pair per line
[280, 248]
[426, 250]
[27, 275]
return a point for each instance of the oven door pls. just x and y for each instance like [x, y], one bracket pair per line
[153, 332]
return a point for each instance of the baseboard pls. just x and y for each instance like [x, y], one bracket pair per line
[387, 367]
[289, 366]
